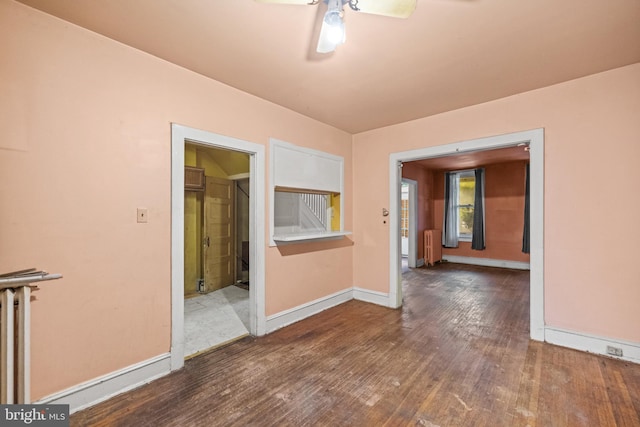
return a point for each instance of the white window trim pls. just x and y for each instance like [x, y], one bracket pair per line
[462, 237]
[325, 173]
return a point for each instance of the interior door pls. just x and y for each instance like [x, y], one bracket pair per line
[404, 220]
[218, 234]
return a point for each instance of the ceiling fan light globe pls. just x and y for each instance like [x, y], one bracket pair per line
[332, 18]
[335, 34]
[332, 32]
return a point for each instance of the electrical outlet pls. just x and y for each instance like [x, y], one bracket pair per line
[142, 215]
[614, 351]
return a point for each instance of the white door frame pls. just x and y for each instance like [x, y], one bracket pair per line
[413, 221]
[179, 135]
[535, 139]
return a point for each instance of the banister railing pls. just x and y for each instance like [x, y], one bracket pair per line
[15, 333]
[316, 204]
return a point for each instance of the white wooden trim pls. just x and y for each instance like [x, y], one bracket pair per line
[276, 146]
[395, 250]
[180, 135]
[292, 315]
[294, 166]
[487, 262]
[592, 343]
[535, 139]
[105, 387]
[177, 247]
[373, 297]
[536, 233]
[306, 236]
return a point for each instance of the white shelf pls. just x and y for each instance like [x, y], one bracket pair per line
[315, 235]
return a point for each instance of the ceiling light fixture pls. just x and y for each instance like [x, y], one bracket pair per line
[332, 33]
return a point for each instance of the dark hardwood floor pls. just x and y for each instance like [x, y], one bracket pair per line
[456, 354]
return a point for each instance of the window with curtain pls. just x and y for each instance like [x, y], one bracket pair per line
[464, 208]
[465, 204]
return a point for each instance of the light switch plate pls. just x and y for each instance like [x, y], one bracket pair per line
[142, 214]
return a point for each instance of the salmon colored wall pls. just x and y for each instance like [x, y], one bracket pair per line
[504, 213]
[86, 140]
[425, 206]
[591, 154]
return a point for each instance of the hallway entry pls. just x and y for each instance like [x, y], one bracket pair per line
[216, 218]
[216, 227]
[217, 235]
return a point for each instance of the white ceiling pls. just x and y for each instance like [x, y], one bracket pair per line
[449, 54]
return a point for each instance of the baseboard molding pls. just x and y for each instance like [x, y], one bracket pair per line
[592, 344]
[102, 388]
[292, 315]
[420, 262]
[374, 297]
[487, 262]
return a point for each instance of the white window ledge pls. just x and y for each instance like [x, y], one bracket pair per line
[313, 235]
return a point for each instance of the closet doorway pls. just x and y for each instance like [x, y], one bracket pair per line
[181, 136]
[216, 230]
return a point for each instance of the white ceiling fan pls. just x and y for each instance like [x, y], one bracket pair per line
[332, 33]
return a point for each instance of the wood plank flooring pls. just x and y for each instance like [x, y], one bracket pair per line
[456, 354]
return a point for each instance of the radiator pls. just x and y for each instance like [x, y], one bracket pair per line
[432, 246]
[14, 359]
[15, 333]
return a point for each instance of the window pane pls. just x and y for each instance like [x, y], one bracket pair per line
[466, 200]
[404, 217]
[296, 212]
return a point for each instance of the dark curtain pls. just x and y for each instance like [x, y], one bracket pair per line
[525, 233]
[450, 220]
[477, 240]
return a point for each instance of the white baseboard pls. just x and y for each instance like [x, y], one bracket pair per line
[487, 262]
[295, 314]
[102, 388]
[592, 344]
[420, 262]
[374, 297]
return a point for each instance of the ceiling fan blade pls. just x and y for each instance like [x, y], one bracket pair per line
[310, 2]
[393, 8]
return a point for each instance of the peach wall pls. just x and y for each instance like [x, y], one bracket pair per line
[504, 213]
[86, 140]
[591, 153]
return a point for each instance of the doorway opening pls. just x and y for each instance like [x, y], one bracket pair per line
[409, 222]
[216, 239]
[534, 139]
[217, 251]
